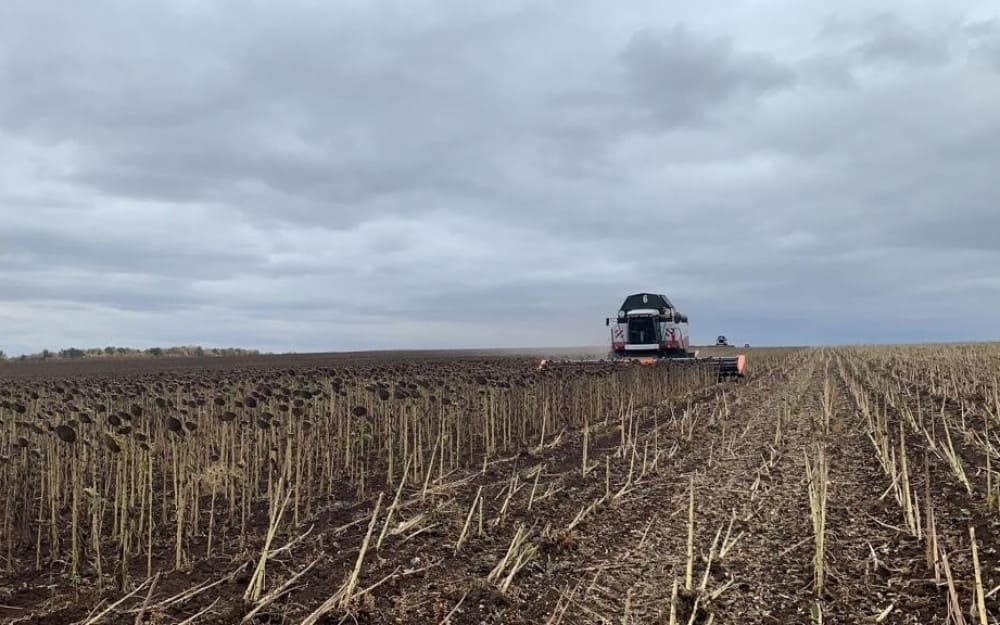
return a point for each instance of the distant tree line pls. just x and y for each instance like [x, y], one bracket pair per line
[74, 353]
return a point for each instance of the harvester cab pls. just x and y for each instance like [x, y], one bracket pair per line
[649, 325]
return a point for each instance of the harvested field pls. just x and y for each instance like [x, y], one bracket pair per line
[834, 485]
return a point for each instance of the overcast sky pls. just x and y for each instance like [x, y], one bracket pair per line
[311, 175]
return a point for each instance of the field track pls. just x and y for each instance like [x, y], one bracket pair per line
[613, 495]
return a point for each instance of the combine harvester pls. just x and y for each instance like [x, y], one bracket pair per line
[650, 330]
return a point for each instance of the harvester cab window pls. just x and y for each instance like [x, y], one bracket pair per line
[642, 331]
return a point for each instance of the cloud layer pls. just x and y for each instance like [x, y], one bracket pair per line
[323, 176]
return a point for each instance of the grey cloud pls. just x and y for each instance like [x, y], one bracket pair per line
[327, 177]
[985, 37]
[886, 38]
[98, 248]
[859, 43]
[828, 70]
[309, 107]
[318, 115]
[684, 78]
[162, 296]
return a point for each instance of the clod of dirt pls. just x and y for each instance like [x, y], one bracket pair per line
[688, 601]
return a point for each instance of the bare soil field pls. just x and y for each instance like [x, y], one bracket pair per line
[833, 485]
